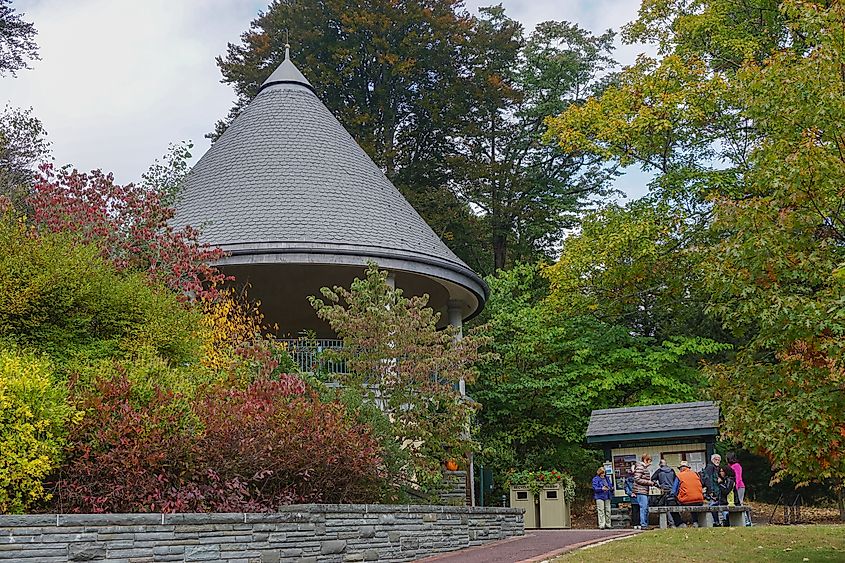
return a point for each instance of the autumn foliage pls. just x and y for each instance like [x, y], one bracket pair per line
[129, 223]
[228, 450]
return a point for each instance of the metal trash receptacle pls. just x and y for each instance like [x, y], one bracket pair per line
[522, 497]
[554, 510]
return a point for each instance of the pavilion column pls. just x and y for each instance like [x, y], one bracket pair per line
[456, 319]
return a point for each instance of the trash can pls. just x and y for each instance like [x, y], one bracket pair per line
[522, 497]
[554, 510]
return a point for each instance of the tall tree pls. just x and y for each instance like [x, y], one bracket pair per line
[745, 109]
[527, 190]
[556, 364]
[777, 274]
[17, 40]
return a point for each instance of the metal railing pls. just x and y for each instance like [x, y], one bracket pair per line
[310, 354]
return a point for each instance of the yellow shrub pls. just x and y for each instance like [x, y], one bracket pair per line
[230, 324]
[34, 415]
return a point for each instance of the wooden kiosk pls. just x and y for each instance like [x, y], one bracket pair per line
[678, 432]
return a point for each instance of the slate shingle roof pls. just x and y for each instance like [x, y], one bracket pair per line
[657, 418]
[286, 171]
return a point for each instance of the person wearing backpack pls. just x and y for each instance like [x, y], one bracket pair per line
[629, 490]
[665, 479]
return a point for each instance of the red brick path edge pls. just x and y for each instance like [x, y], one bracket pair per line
[534, 546]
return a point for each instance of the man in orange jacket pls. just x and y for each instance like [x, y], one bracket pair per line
[687, 489]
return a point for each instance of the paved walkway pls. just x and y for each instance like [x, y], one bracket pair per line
[535, 545]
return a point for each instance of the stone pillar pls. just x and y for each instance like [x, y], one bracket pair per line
[391, 280]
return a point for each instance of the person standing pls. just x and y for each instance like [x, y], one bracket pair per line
[710, 481]
[629, 490]
[727, 493]
[733, 462]
[642, 482]
[602, 488]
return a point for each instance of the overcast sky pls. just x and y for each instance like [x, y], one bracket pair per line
[120, 79]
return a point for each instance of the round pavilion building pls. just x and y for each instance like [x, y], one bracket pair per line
[297, 205]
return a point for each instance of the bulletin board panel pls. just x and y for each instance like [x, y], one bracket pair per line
[623, 458]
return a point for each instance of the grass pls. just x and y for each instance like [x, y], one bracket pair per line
[759, 543]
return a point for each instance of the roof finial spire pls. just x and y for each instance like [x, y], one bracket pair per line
[286, 72]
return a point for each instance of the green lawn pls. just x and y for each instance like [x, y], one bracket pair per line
[759, 543]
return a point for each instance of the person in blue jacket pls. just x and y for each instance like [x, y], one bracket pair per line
[602, 489]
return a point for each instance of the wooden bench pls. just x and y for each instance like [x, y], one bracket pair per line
[704, 514]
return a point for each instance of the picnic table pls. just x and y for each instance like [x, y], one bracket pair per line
[704, 514]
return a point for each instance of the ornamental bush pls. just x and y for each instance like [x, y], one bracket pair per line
[227, 450]
[34, 416]
[271, 444]
[58, 296]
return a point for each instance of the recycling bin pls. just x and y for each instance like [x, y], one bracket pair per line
[522, 497]
[554, 510]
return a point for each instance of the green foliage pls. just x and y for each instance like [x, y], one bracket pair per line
[17, 40]
[556, 366]
[22, 147]
[664, 116]
[399, 361]
[638, 266]
[741, 119]
[777, 271]
[165, 176]
[61, 298]
[34, 419]
[528, 190]
[725, 33]
[536, 480]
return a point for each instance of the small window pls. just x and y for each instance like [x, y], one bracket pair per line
[551, 494]
[522, 495]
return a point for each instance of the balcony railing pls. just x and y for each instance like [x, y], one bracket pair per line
[310, 354]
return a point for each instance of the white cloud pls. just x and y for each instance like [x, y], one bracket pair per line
[120, 79]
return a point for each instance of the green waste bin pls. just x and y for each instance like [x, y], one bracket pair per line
[522, 497]
[554, 510]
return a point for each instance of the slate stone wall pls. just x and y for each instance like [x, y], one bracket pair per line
[297, 533]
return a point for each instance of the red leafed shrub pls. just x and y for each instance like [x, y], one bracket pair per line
[130, 224]
[123, 457]
[301, 450]
[227, 450]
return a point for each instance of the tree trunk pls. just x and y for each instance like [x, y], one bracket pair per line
[841, 498]
[500, 248]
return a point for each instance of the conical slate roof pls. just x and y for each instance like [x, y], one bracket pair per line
[287, 177]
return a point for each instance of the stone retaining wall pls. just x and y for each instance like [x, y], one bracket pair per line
[297, 533]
